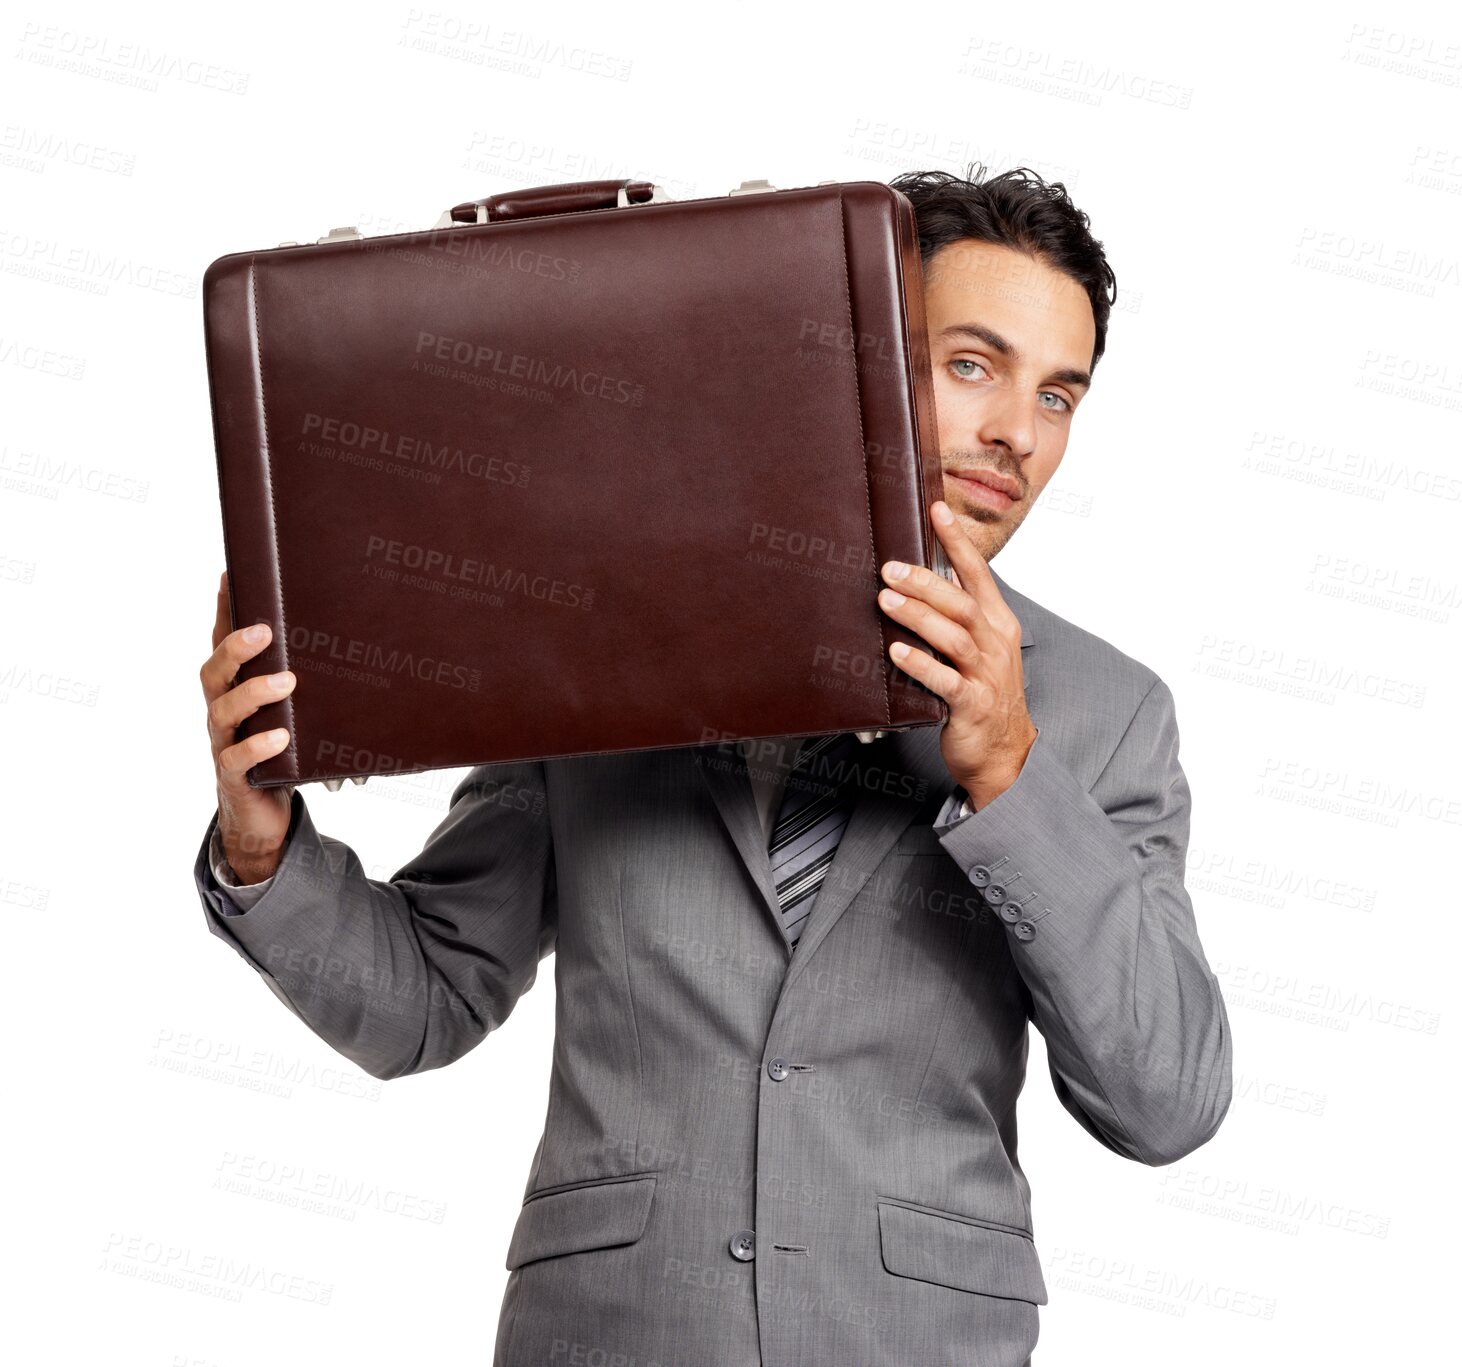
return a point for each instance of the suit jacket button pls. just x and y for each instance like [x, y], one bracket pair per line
[980, 875]
[743, 1245]
[1011, 912]
[995, 894]
[1024, 930]
[778, 1069]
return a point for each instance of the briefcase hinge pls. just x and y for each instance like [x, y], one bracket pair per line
[339, 235]
[752, 187]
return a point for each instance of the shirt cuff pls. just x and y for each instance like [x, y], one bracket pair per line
[237, 897]
[956, 808]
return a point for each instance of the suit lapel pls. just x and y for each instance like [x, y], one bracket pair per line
[723, 767]
[904, 773]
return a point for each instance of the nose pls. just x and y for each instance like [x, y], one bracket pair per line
[1008, 419]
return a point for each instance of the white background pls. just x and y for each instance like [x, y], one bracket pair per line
[1260, 501]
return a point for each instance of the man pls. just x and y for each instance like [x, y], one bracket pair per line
[794, 981]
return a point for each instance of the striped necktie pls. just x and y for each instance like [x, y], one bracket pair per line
[819, 799]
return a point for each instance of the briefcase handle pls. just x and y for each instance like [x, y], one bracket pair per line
[569, 198]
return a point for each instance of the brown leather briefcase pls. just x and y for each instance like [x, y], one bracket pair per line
[579, 470]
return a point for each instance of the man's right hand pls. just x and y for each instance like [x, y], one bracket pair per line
[252, 822]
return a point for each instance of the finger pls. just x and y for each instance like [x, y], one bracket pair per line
[938, 678]
[950, 598]
[953, 639]
[235, 761]
[934, 589]
[219, 669]
[974, 573]
[231, 707]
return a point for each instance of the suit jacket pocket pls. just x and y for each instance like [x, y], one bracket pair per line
[600, 1214]
[958, 1251]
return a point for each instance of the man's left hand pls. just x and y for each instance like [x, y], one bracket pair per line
[989, 732]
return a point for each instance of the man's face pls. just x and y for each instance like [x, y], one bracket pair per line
[1011, 342]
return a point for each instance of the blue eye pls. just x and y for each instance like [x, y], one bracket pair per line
[1065, 405]
[965, 360]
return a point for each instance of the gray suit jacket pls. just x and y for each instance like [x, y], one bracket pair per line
[759, 1156]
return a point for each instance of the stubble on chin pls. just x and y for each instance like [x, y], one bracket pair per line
[988, 529]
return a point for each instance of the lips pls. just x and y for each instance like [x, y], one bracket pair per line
[991, 479]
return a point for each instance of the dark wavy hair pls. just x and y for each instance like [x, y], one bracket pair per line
[1016, 209]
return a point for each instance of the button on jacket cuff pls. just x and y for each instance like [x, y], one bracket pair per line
[1011, 847]
[1101, 928]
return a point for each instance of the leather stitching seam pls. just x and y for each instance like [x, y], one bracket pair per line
[273, 509]
[863, 447]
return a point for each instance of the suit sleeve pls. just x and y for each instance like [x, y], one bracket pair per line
[1089, 887]
[406, 974]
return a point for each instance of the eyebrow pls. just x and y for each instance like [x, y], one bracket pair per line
[997, 343]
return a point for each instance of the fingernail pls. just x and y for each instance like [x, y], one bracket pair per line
[942, 513]
[891, 598]
[280, 680]
[895, 569]
[255, 633]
